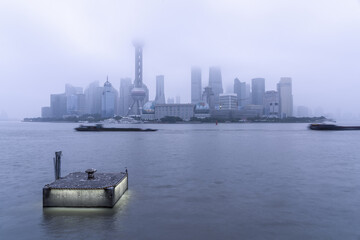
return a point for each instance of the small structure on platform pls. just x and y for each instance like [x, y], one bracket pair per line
[86, 189]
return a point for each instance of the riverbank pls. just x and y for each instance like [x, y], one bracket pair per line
[179, 120]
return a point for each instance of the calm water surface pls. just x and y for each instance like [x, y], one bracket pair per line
[201, 181]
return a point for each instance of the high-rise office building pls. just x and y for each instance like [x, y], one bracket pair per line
[286, 98]
[73, 100]
[240, 91]
[257, 90]
[81, 104]
[209, 97]
[160, 94]
[125, 96]
[195, 85]
[108, 100]
[93, 95]
[215, 82]
[177, 99]
[271, 104]
[58, 105]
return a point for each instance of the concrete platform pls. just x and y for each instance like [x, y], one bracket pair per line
[86, 189]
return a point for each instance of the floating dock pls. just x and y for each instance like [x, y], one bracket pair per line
[86, 189]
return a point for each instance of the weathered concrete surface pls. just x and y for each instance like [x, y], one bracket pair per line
[76, 190]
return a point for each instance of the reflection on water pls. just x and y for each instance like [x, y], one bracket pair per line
[62, 222]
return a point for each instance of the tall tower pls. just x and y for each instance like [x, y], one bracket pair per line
[160, 95]
[215, 82]
[285, 96]
[138, 93]
[108, 100]
[258, 91]
[195, 85]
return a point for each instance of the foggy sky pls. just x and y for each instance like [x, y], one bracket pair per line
[46, 44]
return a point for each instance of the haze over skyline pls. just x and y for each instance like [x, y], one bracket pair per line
[46, 44]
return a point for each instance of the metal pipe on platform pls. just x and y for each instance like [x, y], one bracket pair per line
[57, 165]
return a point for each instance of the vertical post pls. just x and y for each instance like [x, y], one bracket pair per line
[57, 165]
[127, 178]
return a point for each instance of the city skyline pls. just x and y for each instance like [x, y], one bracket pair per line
[238, 102]
[47, 46]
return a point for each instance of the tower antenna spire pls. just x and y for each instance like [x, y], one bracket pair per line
[138, 92]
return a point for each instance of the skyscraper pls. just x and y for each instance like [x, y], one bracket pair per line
[58, 105]
[240, 91]
[108, 100]
[125, 96]
[257, 90]
[160, 95]
[93, 95]
[195, 85]
[215, 82]
[286, 98]
[74, 100]
[208, 97]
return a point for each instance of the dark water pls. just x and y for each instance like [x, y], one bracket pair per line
[231, 181]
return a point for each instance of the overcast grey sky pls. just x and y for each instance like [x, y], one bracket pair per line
[45, 44]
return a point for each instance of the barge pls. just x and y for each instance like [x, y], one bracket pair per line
[332, 127]
[101, 128]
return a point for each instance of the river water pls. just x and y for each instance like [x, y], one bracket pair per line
[187, 181]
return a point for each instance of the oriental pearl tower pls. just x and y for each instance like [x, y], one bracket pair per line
[138, 93]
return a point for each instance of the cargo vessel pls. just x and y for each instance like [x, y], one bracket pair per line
[332, 127]
[101, 128]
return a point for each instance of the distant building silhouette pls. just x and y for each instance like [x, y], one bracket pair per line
[195, 85]
[286, 98]
[215, 82]
[108, 100]
[240, 91]
[257, 90]
[248, 95]
[75, 100]
[271, 104]
[209, 97]
[125, 96]
[58, 105]
[93, 95]
[160, 94]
